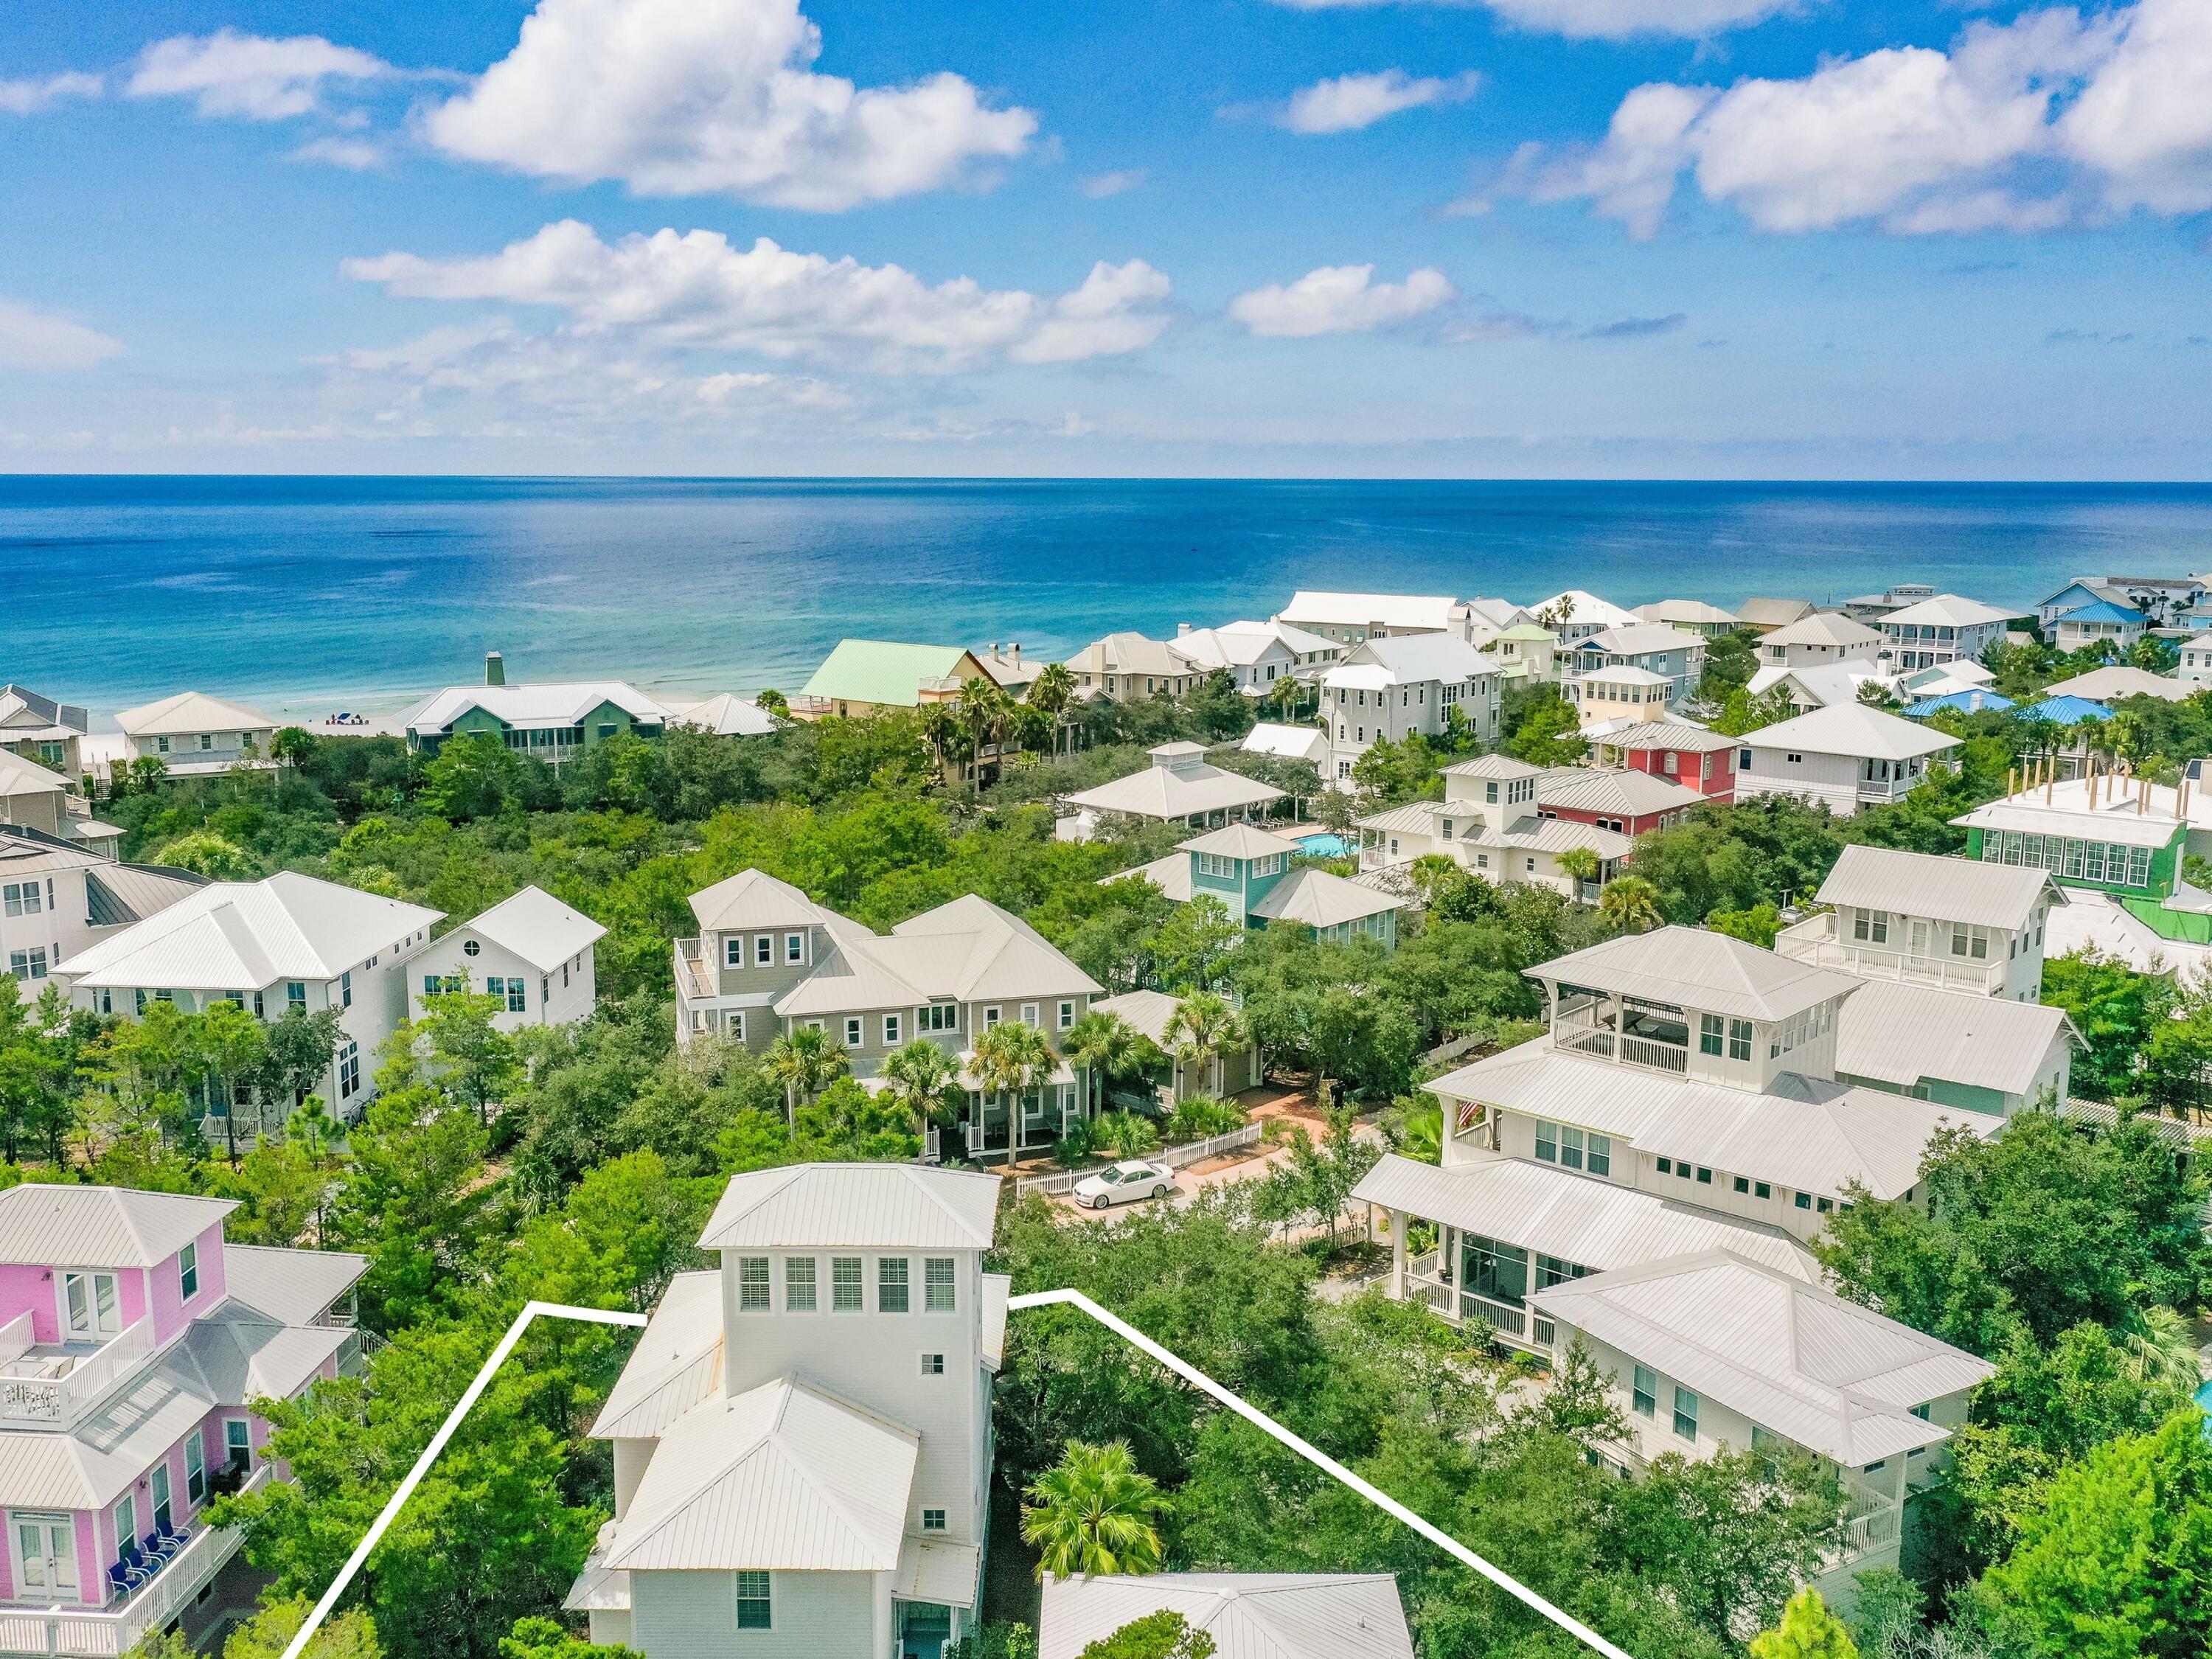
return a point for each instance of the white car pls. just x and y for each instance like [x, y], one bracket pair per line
[1119, 1183]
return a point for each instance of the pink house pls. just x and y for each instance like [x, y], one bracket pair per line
[134, 1343]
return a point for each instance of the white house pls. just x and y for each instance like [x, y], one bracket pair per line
[1871, 608]
[2110, 628]
[1491, 823]
[57, 899]
[1393, 687]
[193, 733]
[1940, 629]
[1690, 615]
[1952, 924]
[727, 715]
[802, 1437]
[1247, 1615]
[1349, 618]
[1179, 787]
[2109, 685]
[1256, 654]
[42, 730]
[2194, 671]
[289, 941]
[1846, 755]
[1673, 654]
[1710, 1350]
[1818, 685]
[1575, 614]
[529, 949]
[1984, 1054]
[1301, 742]
[1823, 637]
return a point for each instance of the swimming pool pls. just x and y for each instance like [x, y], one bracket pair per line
[1323, 846]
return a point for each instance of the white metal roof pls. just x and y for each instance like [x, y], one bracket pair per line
[2105, 684]
[1410, 659]
[1949, 889]
[1579, 1219]
[785, 1477]
[1249, 1615]
[1854, 730]
[1684, 610]
[1177, 791]
[1693, 968]
[1614, 789]
[1821, 683]
[1305, 743]
[535, 926]
[48, 1226]
[1171, 875]
[1951, 610]
[108, 1453]
[937, 1569]
[1430, 610]
[1492, 765]
[727, 715]
[1828, 627]
[1666, 734]
[1623, 674]
[677, 1364]
[2069, 815]
[237, 1355]
[891, 1207]
[1907, 1034]
[1587, 608]
[1638, 639]
[19, 777]
[1835, 1377]
[968, 950]
[542, 706]
[1237, 841]
[1144, 1012]
[1772, 611]
[244, 935]
[753, 898]
[291, 1286]
[1530, 834]
[1320, 900]
[190, 712]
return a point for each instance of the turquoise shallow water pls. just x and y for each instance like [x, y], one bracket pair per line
[312, 594]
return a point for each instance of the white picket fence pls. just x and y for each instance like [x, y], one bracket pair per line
[1175, 1157]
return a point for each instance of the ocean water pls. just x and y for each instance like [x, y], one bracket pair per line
[307, 595]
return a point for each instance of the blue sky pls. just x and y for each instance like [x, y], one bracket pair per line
[1578, 238]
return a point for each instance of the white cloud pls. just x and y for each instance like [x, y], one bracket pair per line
[1349, 102]
[1340, 299]
[252, 75]
[697, 290]
[1099, 186]
[1689, 20]
[39, 340]
[688, 97]
[26, 97]
[356, 155]
[2050, 119]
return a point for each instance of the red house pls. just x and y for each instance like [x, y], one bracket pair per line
[1627, 802]
[1697, 760]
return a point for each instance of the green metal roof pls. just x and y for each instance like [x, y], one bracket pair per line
[881, 671]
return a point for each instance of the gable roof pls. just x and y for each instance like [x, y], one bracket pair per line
[754, 898]
[2110, 685]
[1907, 1035]
[786, 1477]
[1430, 610]
[46, 1225]
[543, 706]
[190, 711]
[1146, 1011]
[25, 713]
[865, 1206]
[677, 1364]
[1319, 899]
[1503, 767]
[535, 926]
[1971, 891]
[1667, 734]
[1851, 729]
[1823, 683]
[1629, 792]
[19, 777]
[1772, 613]
[1951, 610]
[1684, 610]
[243, 935]
[883, 671]
[1639, 640]
[1833, 1376]
[1249, 1615]
[1697, 969]
[1305, 743]
[1410, 659]
[1972, 701]
[1129, 652]
[1829, 627]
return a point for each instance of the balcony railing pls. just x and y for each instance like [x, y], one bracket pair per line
[694, 975]
[53, 1390]
[1600, 1043]
[1872, 1522]
[1813, 940]
[82, 1633]
[1464, 1307]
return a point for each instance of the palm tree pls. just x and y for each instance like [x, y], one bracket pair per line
[806, 1062]
[2158, 1343]
[1093, 1513]
[926, 1080]
[1012, 1058]
[942, 731]
[1054, 691]
[1630, 904]
[1201, 1027]
[1579, 864]
[1104, 1046]
[985, 710]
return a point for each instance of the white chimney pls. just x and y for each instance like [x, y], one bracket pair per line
[1014, 653]
[1182, 628]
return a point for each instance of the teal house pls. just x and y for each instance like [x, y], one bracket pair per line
[553, 722]
[1249, 872]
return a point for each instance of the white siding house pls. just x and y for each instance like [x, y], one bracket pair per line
[1952, 924]
[1942, 628]
[55, 900]
[1846, 756]
[1392, 687]
[529, 948]
[194, 733]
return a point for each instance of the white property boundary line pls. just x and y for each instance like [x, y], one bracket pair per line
[1075, 1299]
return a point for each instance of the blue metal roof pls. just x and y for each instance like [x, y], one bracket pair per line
[2104, 611]
[2065, 711]
[1974, 701]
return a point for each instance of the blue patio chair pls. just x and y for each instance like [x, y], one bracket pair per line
[134, 1558]
[174, 1537]
[125, 1576]
[156, 1547]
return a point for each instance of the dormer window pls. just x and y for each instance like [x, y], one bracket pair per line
[188, 1272]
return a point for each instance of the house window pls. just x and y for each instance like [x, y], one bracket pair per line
[1552, 1270]
[518, 999]
[990, 1018]
[1600, 1155]
[845, 1284]
[237, 1443]
[28, 964]
[1760, 1190]
[1686, 1412]
[1738, 1039]
[126, 1522]
[195, 1469]
[893, 1032]
[1708, 1034]
[932, 1520]
[1666, 1166]
[1804, 1200]
[1028, 1013]
[794, 947]
[753, 1609]
[890, 1284]
[160, 745]
[1571, 1147]
[345, 989]
[348, 1071]
[20, 898]
[1066, 1015]
[93, 1306]
[1645, 1393]
[764, 951]
[932, 1364]
[1824, 1206]
[1872, 926]
[752, 1284]
[798, 1283]
[938, 1016]
[158, 1480]
[1970, 941]
[1548, 1142]
[1741, 1184]
[1743, 761]
[188, 1272]
[733, 951]
[853, 1033]
[939, 1293]
[295, 994]
[734, 1023]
